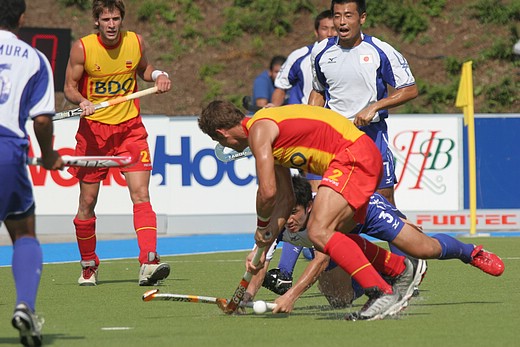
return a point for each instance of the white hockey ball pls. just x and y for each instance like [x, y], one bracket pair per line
[259, 307]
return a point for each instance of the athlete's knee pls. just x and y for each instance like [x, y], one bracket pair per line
[318, 235]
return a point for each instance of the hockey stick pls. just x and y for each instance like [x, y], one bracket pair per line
[234, 302]
[226, 155]
[154, 295]
[77, 111]
[102, 161]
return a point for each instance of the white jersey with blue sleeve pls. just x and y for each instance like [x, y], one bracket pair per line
[26, 85]
[26, 90]
[354, 78]
[296, 75]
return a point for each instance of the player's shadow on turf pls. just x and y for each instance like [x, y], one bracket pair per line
[47, 339]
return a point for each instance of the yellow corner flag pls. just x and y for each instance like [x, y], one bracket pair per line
[465, 93]
[465, 101]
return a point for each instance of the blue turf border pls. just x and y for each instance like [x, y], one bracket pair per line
[178, 245]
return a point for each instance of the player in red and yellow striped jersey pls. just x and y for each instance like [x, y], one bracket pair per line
[103, 66]
[323, 142]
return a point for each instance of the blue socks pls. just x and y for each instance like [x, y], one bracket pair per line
[453, 248]
[27, 267]
[288, 258]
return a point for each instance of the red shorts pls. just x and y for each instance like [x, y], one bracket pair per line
[355, 174]
[99, 139]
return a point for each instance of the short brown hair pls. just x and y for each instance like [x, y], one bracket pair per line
[219, 114]
[99, 5]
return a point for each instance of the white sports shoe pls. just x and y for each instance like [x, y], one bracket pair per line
[89, 273]
[151, 274]
[378, 306]
[28, 324]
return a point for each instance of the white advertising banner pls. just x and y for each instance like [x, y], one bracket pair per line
[188, 180]
[429, 162]
[193, 192]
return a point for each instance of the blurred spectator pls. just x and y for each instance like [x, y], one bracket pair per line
[263, 86]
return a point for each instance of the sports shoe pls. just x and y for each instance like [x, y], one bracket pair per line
[28, 324]
[150, 274]
[486, 261]
[89, 273]
[277, 281]
[410, 278]
[378, 306]
[416, 288]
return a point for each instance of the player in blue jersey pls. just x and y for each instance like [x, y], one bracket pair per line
[26, 91]
[382, 221]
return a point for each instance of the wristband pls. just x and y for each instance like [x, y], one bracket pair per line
[157, 73]
[262, 223]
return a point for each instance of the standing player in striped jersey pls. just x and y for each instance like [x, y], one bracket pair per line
[320, 141]
[26, 91]
[352, 73]
[104, 66]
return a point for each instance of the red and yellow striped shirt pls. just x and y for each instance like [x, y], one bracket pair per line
[110, 72]
[309, 136]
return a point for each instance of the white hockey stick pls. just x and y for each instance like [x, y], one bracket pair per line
[155, 295]
[102, 161]
[226, 155]
[77, 111]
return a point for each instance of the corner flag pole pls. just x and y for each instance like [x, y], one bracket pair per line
[465, 101]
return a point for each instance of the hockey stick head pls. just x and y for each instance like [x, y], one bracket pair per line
[226, 155]
[150, 295]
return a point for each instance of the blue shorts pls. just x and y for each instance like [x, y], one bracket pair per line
[379, 134]
[383, 220]
[17, 200]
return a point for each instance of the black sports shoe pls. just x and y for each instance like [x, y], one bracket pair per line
[29, 325]
[277, 281]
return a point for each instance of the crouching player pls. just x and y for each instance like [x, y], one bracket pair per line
[382, 221]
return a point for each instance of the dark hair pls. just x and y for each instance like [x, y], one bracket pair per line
[99, 5]
[219, 114]
[321, 16]
[277, 60]
[10, 13]
[302, 190]
[361, 5]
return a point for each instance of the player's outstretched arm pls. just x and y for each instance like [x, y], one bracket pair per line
[285, 303]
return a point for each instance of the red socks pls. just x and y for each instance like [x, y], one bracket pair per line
[145, 224]
[346, 253]
[383, 261]
[86, 236]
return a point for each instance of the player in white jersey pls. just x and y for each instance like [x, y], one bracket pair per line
[296, 72]
[26, 91]
[352, 73]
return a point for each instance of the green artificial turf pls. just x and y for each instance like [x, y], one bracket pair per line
[458, 306]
